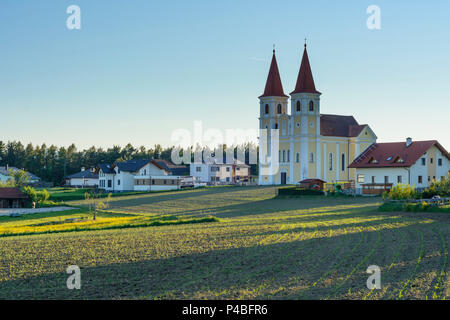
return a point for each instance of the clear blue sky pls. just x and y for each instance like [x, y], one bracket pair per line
[137, 70]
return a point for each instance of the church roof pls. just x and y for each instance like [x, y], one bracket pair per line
[395, 154]
[305, 80]
[274, 87]
[339, 126]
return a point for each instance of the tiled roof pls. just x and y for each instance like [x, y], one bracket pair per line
[173, 169]
[274, 87]
[12, 193]
[305, 80]
[86, 174]
[339, 126]
[394, 154]
[132, 165]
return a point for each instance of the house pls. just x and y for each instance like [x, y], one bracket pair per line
[12, 198]
[5, 175]
[416, 163]
[83, 179]
[312, 145]
[141, 175]
[220, 173]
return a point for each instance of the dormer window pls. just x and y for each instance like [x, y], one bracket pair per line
[299, 106]
[373, 160]
[311, 106]
[398, 160]
[266, 109]
[279, 109]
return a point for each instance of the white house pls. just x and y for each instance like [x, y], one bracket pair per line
[416, 163]
[140, 175]
[220, 173]
[83, 179]
[5, 175]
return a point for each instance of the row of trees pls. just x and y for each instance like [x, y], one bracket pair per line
[52, 163]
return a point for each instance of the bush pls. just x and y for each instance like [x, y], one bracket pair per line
[438, 188]
[402, 192]
[296, 191]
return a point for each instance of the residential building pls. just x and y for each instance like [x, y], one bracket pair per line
[312, 145]
[220, 173]
[5, 175]
[83, 179]
[12, 198]
[141, 175]
[416, 163]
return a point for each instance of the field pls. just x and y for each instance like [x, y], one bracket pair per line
[262, 247]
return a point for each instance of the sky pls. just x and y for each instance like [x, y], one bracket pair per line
[137, 71]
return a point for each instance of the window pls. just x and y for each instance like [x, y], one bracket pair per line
[289, 156]
[420, 180]
[198, 169]
[145, 172]
[298, 124]
[118, 182]
[311, 106]
[266, 109]
[440, 162]
[343, 162]
[118, 170]
[137, 181]
[297, 157]
[279, 109]
[165, 182]
[153, 181]
[399, 179]
[331, 162]
[311, 157]
[299, 106]
[431, 160]
[360, 178]
[423, 161]
[173, 181]
[386, 179]
[228, 179]
[228, 169]
[429, 178]
[109, 183]
[276, 125]
[284, 155]
[373, 179]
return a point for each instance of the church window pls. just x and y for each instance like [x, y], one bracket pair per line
[279, 109]
[266, 110]
[299, 106]
[331, 162]
[311, 106]
[343, 162]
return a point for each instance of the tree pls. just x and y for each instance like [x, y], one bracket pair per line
[20, 177]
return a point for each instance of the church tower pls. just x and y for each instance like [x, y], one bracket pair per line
[305, 115]
[273, 110]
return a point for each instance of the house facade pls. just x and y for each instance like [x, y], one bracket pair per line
[416, 163]
[5, 175]
[312, 145]
[83, 179]
[139, 175]
[220, 173]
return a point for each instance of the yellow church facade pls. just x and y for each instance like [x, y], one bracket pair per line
[311, 145]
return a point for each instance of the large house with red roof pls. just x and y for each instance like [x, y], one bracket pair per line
[311, 144]
[416, 163]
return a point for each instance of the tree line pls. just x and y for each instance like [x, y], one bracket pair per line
[53, 163]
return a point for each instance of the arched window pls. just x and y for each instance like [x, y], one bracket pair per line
[311, 106]
[299, 106]
[331, 162]
[266, 110]
[279, 109]
[343, 162]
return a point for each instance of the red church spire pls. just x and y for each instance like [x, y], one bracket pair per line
[274, 88]
[305, 80]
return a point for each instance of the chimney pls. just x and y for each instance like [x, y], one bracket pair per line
[408, 142]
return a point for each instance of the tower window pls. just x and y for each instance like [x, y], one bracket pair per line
[299, 106]
[279, 109]
[311, 106]
[266, 109]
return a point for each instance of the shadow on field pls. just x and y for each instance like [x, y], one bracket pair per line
[279, 270]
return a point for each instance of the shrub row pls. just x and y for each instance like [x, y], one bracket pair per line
[297, 191]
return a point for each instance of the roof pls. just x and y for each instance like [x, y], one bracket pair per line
[395, 154]
[132, 165]
[305, 80]
[274, 87]
[339, 126]
[106, 168]
[5, 172]
[173, 169]
[12, 193]
[85, 174]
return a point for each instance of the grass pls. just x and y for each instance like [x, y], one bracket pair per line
[311, 247]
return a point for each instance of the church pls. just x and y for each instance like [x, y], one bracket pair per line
[311, 145]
